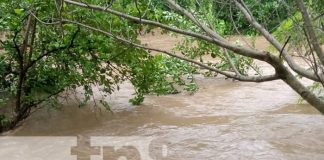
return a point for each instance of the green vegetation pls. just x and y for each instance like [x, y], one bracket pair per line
[40, 61]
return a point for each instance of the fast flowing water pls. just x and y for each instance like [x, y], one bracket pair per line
[223, 120]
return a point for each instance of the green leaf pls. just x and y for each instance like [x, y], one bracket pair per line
[18, 11]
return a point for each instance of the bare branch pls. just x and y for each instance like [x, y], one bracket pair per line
[237, 49]
[183, 11]
[138, 20]
[32, 41]
[26, 36]
[14, 40]
[315, 67]
[301, 71]
[22, 73]
[209, 31]
[283, 48]
[319, 16]
[45, 23]
[138, 10]
[229, 59]
[310, 31]
[230, 75]
[2, 43]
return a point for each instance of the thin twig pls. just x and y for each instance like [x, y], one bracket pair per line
[138, 10]
[283, 48]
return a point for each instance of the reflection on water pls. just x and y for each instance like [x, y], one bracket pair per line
[224, 119]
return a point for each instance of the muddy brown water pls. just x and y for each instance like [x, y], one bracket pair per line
[223, 120]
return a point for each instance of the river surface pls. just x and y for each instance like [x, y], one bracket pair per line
[223, 120]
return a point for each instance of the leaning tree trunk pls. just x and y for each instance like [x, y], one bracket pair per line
[22, 109]
[287, 76]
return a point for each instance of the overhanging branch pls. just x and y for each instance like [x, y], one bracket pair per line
[292, 64]
[227, 74]
[237, 49]
[212, 33]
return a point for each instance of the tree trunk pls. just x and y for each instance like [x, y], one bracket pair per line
[304, 92]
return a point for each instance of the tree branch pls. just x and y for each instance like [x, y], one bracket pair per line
[229, 59]
[212, 33]
[70, 45]
[293, 65]
[185, 12]
[230, 75]
[283, 48]
[16, 46]
[32, 40]
[237, 49]
[315, 66]
[310, 31]
[24, 45]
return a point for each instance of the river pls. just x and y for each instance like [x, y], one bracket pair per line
[224, 120]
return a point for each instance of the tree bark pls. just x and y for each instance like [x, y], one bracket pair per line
[21, 109]
[21, 57]
[291, 80]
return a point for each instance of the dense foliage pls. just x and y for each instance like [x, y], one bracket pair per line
[65, 57]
